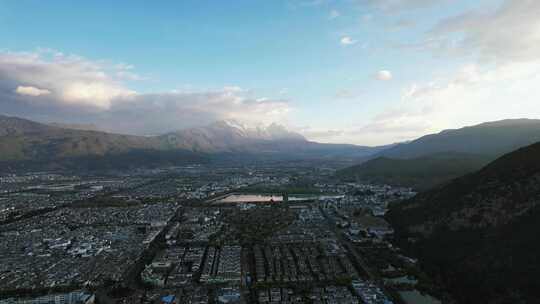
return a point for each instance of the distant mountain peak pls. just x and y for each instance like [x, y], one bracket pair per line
[272, 131]
[233, 123]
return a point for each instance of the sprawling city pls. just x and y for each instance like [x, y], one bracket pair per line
[265, 152]
[199, 234]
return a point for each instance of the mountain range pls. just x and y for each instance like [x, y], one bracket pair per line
[26, 143]
[437, 158]
[478, 234]
[422, 163]
[234, 137]
[490, 138]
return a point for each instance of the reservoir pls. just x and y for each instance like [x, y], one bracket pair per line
[267, 198]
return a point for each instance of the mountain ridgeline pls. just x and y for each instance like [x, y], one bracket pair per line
[490, 138]
[233, 137]
[478, 233]
[438, 158]
[30, 145]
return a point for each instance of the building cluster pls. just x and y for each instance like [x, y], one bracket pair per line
[75, 297]
[370, 293]
[199, 225]
[373, 198]
[35, 177]
[35, 193]
[321, 295]
[300, 263]
[75, 247]
[176, 266]
[222, 265]
[308, 227]
[156, 189]
[151, 215]
[159, 229]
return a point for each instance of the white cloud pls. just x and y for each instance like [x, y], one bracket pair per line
[334, 14]
[384, 75]
[163, 112]
[68, 79]
[471, 95]
[85, 91]
[501, 81]
[31, 91]
[509, 33]
[346, 40]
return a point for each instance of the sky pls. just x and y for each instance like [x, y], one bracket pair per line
[367, 72]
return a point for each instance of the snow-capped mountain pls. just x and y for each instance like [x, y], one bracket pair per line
[231, 135]
[272, 131]
[28, 144]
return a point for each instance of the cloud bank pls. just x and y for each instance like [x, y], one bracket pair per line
[51, 86]
[507, 34]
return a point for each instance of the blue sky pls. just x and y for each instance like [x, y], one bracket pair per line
[337, 71]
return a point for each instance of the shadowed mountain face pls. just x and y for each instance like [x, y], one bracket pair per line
[478, 234]
[27, 145]
[22, 139]
[420, 173]
[438, 158]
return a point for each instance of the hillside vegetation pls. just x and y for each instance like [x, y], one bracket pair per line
[438, 158]
[478, 234]
[419, 173]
